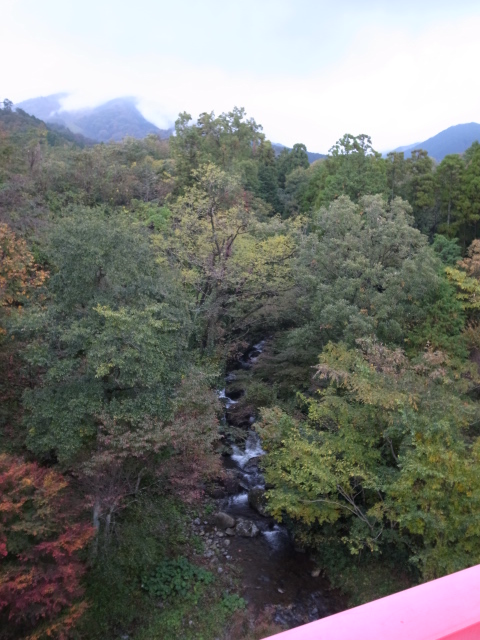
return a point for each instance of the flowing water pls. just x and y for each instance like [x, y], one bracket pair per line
[275, 574]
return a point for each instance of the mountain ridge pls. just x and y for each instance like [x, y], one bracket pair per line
[109, 122]
[95, 123]
[455, 139]
[120, 117]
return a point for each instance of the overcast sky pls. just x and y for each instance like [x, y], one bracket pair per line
[307, 70]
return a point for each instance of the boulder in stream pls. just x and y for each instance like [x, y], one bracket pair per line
[216, 492]
[223, 520]
[246, 528]
[252, 464]
[231, 484]
[256, 499]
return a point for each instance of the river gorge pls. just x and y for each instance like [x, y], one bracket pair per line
[276, 576]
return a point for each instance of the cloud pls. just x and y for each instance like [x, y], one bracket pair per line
[396, 84]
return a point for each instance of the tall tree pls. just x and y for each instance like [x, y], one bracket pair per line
[363, 271]
[289, 160]
[227, 141]
[353, 168]
[421, 191]
[467, 222]
[396, 174]
[449, 178]
[233, 265]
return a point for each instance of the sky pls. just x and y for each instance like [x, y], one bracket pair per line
[307, 70]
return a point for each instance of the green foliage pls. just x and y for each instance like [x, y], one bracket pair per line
[267, 176]
[447, 250]
[232, 266]
[466, 223]
[154, 216]
[370, 460]
[289, 160]
[363, 271]
[353, 169]
[442, 327]
[367, 577]
[175, 578]
[165, 260]
[397, 174]
[146, 531]
[466, 278]
[227, 141]
[449, 177]
[110, 339]
[421, 191]
[201, 615]
[232, 602]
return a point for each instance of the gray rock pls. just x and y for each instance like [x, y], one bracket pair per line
[216, 492]
[223, 520]
[256, 499]
[315, 573]
[230, 532]
[231, 485]
[197, 521]
[247, 529]
[252, 464]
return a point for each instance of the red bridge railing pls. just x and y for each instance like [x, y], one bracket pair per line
[447, 608]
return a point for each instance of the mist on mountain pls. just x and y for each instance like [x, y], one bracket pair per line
[111, 121]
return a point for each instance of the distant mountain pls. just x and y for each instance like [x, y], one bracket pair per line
[111, 121]
[312, 156]
[455, 139]
[408, 147]
[43, 108]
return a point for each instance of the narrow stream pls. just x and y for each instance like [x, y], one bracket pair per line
[275, 575]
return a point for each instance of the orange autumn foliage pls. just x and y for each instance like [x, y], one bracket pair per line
[18, 271]
[40, 540]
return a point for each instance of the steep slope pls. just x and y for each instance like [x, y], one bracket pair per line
[45, 107]
[455, 139]
[110, 121]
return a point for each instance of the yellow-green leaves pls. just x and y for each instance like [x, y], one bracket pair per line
[233, 266]
[383, 448]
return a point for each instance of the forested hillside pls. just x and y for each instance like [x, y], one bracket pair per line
[136, 275]
[107, 122]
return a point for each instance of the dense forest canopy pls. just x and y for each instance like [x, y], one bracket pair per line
[134, 274]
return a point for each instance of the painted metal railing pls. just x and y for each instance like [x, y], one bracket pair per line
[447, 608]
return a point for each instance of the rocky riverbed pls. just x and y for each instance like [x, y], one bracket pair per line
[275, 575]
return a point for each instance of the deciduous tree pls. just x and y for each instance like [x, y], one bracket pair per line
[41, 539]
